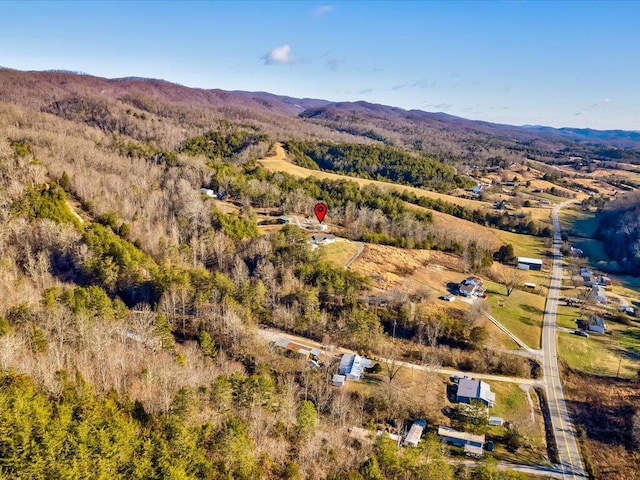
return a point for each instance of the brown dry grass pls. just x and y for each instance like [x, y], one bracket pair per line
[604, 407]
[413, 270]
[389, 266]
[278, 163]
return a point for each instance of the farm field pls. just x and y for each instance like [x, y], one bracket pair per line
[521, 312]
[340, 252]
[596, 355]
[278, 163]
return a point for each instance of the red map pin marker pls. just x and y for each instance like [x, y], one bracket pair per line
[320, 210]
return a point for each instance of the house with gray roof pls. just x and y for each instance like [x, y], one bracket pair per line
[352, 366]
[471, 389]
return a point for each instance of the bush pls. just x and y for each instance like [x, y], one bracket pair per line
[377, 368]
[46, 201]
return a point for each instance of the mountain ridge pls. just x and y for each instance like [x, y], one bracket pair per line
[359, 121]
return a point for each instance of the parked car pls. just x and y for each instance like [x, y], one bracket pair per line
[581, 333]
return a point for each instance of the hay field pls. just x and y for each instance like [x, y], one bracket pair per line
[278, 163]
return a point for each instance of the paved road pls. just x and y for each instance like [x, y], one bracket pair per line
[568, 452]
[272, 335]
[540, 471]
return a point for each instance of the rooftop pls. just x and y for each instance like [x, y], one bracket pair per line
[453, 433]
[471, 388]
[536, 261]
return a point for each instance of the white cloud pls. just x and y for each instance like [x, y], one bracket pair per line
[280, 54]
[323, 10]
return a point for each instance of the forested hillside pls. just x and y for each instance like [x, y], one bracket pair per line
[130, 306]
[379, 163]
[166, 114]
[620, 231]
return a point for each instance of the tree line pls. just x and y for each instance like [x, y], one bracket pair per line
[378, 162]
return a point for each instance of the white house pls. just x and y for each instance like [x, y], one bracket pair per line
[596, 324]
[208, 192]
[471, 286]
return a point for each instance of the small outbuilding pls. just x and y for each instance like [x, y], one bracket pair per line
[338, 380]
[208, 192]
[496, 421]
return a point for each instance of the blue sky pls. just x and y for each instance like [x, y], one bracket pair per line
[557, 63]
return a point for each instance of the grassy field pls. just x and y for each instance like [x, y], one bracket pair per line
[523, 245]
[521, 312]
[597, 355]
[340, 252]
[497, 336]
[278, 163]
[581, 228]
[512, 406]
[579, 223]
[629, 286]
[566, 316]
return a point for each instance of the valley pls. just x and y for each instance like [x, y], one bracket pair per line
[168, 287]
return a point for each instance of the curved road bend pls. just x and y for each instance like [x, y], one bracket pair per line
[568, 452]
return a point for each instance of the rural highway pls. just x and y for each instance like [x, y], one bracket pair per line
[570, 462]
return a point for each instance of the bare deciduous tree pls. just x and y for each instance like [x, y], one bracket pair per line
[511, 278]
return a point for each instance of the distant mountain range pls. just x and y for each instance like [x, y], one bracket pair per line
[287, 117]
